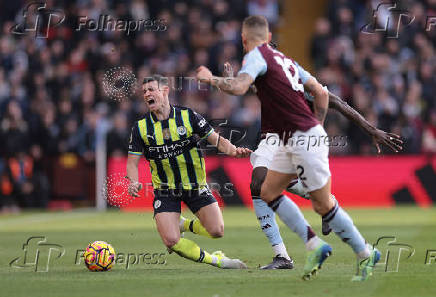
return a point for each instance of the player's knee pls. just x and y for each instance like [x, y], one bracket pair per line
[321, 208]
[170, 241]
[217, 231]
[266, 194]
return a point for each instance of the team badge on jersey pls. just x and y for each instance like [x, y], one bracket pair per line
[181, 130]
[166, 134]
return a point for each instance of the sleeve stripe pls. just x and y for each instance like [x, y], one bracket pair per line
[208, 133]
[135, 153]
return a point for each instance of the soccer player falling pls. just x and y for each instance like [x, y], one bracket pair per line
[280, 84]
[168, 137]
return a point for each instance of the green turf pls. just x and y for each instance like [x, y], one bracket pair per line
[135, 233]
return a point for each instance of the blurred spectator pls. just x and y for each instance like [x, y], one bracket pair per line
[14, 129]
[393, 78]
[267, 8]
[429, 134]
[28, 184]
[118, 136]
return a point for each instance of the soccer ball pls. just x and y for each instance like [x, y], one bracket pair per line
[99, 256]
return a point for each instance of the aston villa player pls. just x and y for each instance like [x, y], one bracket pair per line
[280, 84]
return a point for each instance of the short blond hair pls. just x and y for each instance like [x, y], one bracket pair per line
[256, 27]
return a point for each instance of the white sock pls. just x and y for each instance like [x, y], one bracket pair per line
[280, 250]
[312, 243]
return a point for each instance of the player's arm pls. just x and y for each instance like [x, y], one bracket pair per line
[319, 93]
[254, 65]
[136, 146]
[203, 129]
[228, 73]
[391, 140]
[225, 146]
[238, 85]
[321, 98]
[132, 174]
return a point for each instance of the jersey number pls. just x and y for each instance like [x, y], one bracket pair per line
[287, 65]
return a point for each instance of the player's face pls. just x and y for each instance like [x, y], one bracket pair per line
[154, 95]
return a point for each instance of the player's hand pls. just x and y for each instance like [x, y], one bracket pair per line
[241, 152]
[228, 70]
[204, 74]
[389, 139]
[134, 188]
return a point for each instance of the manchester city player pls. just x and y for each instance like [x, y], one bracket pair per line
[168, 137]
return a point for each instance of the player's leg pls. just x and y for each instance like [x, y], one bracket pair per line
[343, 226]
[281, 171]
[195, 226]
[211, 218]
[296, 187]
[268, 224]
[272, 188]
[205, 207]
[259, 160]
[209, 221]
[168, 227]
[167, 216]
[311, 161]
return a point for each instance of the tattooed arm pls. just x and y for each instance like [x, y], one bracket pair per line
[238, 85]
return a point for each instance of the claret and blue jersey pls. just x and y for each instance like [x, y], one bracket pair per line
[279, 82]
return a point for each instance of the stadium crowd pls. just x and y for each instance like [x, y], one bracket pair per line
[52, 101]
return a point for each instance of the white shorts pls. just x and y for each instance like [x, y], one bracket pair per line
[264, 153]
[305, 154]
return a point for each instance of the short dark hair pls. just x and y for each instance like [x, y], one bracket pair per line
[156, 77]
[255, 21]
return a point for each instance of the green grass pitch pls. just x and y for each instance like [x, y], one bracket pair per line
[135, 233]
